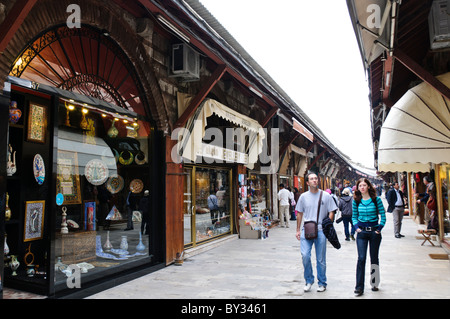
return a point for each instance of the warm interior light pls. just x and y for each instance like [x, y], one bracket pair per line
[135, 124]
[71, 107]
[19, 62]
[103, 115]
[125, 121]
[85, 111]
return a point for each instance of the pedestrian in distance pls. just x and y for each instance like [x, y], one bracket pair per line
[396, 206]
[308, 210]
[345, 206]
[368, 218]
[284, 196]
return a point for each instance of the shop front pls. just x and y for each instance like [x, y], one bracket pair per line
[216, 143]
[80, 191]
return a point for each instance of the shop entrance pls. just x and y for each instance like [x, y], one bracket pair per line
[207, 204]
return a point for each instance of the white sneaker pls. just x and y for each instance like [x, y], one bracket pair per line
[307, 287]
[321, 289]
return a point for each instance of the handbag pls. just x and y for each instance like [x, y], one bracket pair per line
[311, 227]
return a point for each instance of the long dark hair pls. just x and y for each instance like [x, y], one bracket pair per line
[357, 196]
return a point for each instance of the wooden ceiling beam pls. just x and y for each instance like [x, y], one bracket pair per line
[13, 21]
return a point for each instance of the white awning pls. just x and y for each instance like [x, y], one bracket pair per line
[416, 132]
[191, 146]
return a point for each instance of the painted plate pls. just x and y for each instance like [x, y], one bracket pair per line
[39, 169]
[115, 184]
[136, 186]
[96, 172]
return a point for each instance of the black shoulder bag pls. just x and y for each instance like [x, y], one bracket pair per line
[311, 227]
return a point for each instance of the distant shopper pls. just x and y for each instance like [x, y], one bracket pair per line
[284, 196]
[345, 206]
[307, 210]
[396, 206]
[369, 218]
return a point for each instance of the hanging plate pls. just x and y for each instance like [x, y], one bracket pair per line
[39, 169]
[96, 172]
[115, 184]
[136, 186]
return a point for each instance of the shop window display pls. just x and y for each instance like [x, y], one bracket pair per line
[103, 178]
[212, 202]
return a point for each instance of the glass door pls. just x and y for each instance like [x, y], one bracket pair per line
[188, 206]
[207, 212]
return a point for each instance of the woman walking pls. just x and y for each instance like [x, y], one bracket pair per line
[368, 219]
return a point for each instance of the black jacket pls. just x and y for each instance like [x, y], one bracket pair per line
[391, 198]
[330, 232]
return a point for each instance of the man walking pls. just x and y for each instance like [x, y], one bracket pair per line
[284, 196]
[307, 208]
[396, 207]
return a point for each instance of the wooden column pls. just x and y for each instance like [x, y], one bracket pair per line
[174, 205]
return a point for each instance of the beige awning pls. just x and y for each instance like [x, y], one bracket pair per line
[416, 132]
[191, 145]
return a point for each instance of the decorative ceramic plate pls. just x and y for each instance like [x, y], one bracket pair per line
[39, 169]
[96, 172]
[136, 186]
[115, 184]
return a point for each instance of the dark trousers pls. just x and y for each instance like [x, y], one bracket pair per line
[364, 239]
[347, 220]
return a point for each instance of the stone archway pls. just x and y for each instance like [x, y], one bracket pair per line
[95, 15]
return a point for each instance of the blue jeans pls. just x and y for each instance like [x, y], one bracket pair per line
[320, 244]
[347, 220]
[364, 239]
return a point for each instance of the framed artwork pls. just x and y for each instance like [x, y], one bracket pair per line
[89, 215]
[68, 178]
[37, 123]
[34, 220]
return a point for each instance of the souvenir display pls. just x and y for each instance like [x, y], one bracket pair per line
[115, 184]
[140, 158]
[140, 246]
[34, 220]
[124, 243]
[96, 172]
[28, 254]
[14, 112]
[114, 214]
[64, 229]
[72, 224]
[5, 247]
[11, 164]
[37, 123]
[100, 253]
[113, 131]
[30, 270]
[107, 246]
[39, 169]
[136, 186]
[14, 264]
[7, 209]
[126, 158]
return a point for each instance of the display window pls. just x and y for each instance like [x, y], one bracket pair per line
[103, 185]
[258, 193]
[207, 209]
